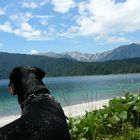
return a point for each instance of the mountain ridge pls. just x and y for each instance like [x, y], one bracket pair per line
[122, 52]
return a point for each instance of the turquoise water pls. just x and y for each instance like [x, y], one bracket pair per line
[74, 90]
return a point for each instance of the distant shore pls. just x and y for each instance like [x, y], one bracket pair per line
[70, 111]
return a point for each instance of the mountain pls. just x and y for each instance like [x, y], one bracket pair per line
[57, 55]
[122, 52]
[75, 55]
[66, 67]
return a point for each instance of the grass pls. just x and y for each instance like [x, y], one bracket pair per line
[120, 120]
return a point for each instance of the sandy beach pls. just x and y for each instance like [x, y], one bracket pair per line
[70, 111]
[80, 109]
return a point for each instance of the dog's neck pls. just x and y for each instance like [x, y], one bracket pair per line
[38, 93]
[30, 87]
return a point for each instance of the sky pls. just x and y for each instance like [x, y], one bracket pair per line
[88, 26]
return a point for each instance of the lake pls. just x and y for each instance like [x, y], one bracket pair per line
[76, 89]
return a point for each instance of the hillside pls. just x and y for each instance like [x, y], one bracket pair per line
[123, 52]
[54, 67]
[66, 67]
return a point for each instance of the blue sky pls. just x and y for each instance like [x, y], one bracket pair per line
[90, 26]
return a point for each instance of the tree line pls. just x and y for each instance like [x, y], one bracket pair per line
[66, 67]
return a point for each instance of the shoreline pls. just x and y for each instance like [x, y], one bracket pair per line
[81, 109]
[70, 111]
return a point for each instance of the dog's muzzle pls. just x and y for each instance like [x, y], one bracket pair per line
[11, 88]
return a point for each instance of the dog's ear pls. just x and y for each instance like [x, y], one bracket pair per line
[38, 72]
[14, 76]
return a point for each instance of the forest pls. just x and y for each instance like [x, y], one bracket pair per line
[66, 67]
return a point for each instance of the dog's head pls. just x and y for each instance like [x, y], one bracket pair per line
[23, 79]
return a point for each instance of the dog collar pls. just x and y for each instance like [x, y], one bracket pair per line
[31, 96]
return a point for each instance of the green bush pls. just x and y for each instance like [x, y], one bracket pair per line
[120, 120]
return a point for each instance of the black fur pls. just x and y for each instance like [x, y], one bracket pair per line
[42, 117]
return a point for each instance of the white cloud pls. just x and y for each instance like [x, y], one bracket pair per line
[114, 39]
[26, 27]
[105, 17]
[102, 19]
[44, 22]
[32, 5]
[43, 19]
[34, 52]
[63, 6]
[2, 11]
[20, 17]
[25, 30]
[6, 27]
[44, 2]
[20, 25]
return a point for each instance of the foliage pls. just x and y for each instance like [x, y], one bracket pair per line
[120, 120]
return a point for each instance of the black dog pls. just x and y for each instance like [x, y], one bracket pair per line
[42, 117]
